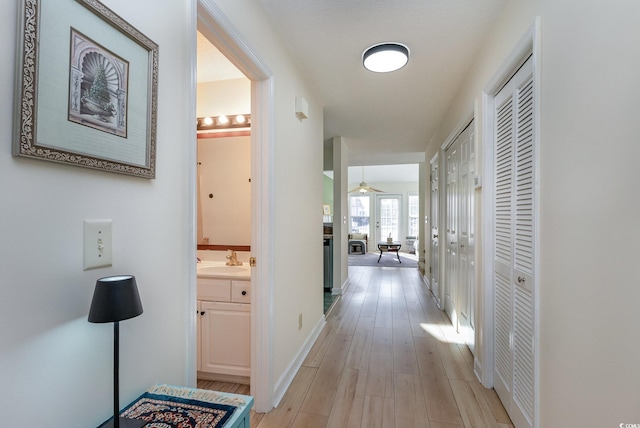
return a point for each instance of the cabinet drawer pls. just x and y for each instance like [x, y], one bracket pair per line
[218, 290]
[241, 291]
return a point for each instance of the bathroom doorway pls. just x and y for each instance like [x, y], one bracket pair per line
[214, 26]
[223, 201]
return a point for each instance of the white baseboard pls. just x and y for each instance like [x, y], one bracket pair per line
[477, 370]
[285, 380]
[426, 281]
[342, 289]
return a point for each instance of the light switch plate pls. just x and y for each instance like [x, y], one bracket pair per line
[97, 244]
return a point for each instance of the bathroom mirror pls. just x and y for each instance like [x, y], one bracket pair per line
[224, 192]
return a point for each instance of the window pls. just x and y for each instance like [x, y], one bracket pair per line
[414, 209]
[359, 210]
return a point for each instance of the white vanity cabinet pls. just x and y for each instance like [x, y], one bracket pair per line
[224, 328]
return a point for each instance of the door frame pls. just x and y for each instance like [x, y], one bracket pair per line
[214, 25]
[529, 45]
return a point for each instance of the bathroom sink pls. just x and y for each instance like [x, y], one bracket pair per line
[221, 269]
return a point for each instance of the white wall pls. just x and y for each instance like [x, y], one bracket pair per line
[589, 205]
[340, 214]
[590, 209]
[297, 157]
[54, 365]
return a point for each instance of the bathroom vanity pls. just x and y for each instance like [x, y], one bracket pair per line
[224, 322]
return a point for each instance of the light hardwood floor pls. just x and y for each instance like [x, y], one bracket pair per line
[387, 357]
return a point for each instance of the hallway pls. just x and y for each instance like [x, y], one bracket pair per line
[387, 357]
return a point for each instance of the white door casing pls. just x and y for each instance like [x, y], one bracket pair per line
[214, 25]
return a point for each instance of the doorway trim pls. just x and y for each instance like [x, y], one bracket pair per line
[528, 45]
[215, 26]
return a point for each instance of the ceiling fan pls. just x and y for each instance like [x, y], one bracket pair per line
[363, 187]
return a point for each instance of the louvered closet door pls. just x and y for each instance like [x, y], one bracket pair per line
[514, 247]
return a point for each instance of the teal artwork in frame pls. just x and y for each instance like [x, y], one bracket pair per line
[86, 88]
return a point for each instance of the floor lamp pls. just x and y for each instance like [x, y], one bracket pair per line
[116, 299]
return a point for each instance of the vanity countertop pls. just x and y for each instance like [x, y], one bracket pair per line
[219, 269]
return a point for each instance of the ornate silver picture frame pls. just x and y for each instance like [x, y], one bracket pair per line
[86, 88]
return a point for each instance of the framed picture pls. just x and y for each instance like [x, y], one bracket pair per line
[86, 88]
[326, 209]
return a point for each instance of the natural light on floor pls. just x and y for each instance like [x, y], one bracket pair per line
[444, 333]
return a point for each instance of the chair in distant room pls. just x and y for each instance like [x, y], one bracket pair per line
[358, 243]
[410, 244]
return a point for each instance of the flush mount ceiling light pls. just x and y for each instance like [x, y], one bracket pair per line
[385, 57]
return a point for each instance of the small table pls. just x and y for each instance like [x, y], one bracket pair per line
[393, 247]
[241, 417]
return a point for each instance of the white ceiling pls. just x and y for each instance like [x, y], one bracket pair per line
[385, 118]
[212, 65]
[404, 173]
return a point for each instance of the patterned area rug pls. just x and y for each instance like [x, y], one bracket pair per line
[167, 411]
[388, 259]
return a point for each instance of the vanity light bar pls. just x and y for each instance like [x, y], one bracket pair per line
[224, 122]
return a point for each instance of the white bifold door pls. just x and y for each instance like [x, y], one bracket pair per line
[514, 221]
[434, 268]
[459, 219]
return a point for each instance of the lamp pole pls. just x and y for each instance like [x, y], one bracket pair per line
[115, 299]
[116, 383]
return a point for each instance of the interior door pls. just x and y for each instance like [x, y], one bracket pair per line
[451, 229]
[466, 237]
[459, 280]
[388, 217]
[435, 219]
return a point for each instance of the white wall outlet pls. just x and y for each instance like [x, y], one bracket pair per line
[477, 181]
[97, 244]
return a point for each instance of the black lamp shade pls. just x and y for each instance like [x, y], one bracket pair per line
[115, 298]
